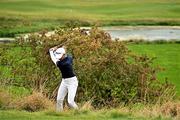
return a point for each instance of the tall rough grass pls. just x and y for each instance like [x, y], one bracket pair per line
[34, 102]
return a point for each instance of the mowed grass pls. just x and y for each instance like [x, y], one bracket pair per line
[72, 115]
[52, 115]
[20, 16]
[167, 56]
[91, 9]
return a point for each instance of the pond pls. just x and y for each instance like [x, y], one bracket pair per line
[150, 33]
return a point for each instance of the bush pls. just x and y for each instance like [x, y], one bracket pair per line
[107, 71]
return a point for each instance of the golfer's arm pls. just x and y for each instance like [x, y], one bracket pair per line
[53, 58]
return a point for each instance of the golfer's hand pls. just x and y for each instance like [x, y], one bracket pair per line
[54, 48]
[51, 49]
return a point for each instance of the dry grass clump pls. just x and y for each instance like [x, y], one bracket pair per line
[148, 111]
[35, 102]
[5, 99]
[171, 109]
[87, 106]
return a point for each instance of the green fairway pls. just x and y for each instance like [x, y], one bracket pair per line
[72, 115]
[167, 56]
[86, 115]
[19, 16]
[91, 10]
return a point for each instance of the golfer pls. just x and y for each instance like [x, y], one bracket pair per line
[69, 81]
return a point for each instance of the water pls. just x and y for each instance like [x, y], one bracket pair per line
[7, 40]
[145, 33]
[150, 33]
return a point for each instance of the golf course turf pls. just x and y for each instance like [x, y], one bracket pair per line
[20, 16]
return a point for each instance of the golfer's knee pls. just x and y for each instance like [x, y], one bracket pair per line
[60, 100]
[71, 103]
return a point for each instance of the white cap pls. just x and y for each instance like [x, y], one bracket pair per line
[59, 52]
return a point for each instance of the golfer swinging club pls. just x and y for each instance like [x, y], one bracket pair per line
[69, 81]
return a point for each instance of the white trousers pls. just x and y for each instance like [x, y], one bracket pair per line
[68, 86]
